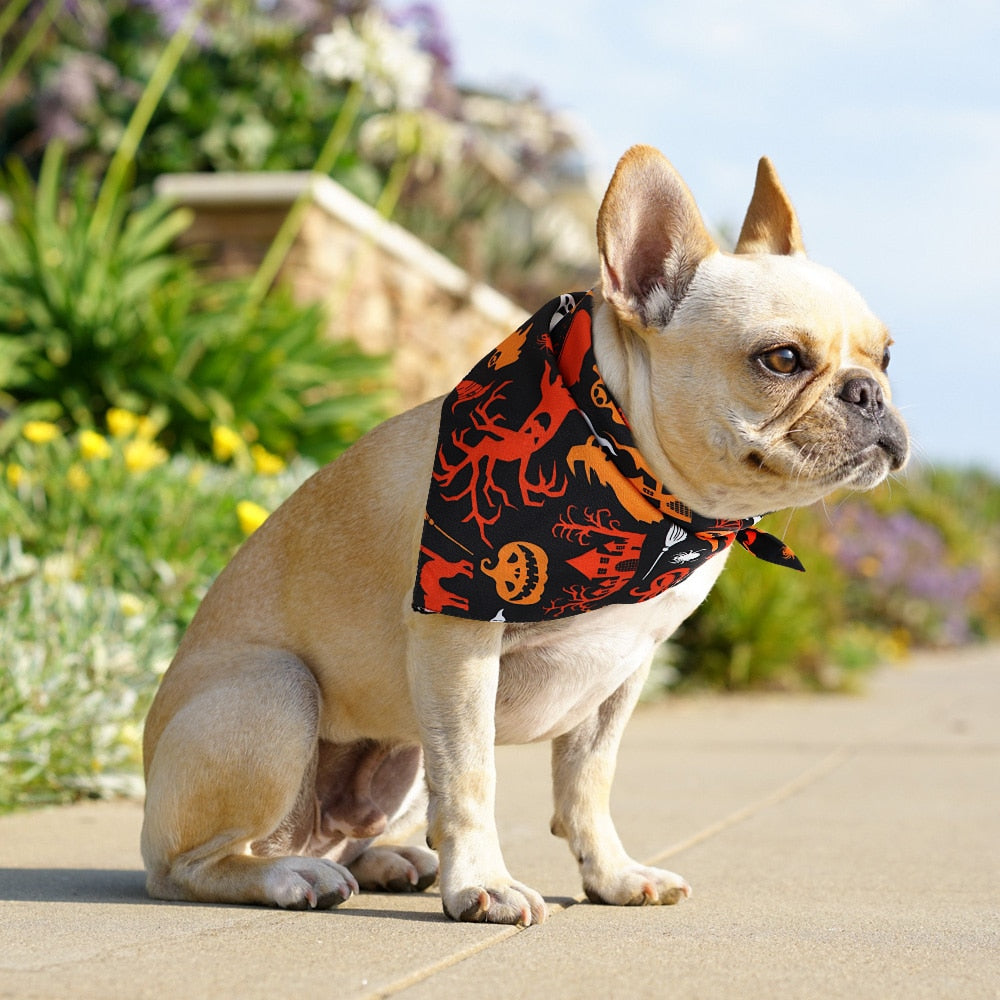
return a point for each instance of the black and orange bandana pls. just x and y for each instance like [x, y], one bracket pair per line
[540, 506]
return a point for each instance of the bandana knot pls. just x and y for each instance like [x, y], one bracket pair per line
[540, 505]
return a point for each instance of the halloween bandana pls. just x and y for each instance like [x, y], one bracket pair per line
[540, 506]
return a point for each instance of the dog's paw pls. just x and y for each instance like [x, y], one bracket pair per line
[637, 885]
[395, 869]
[511, 903]
[295, 883]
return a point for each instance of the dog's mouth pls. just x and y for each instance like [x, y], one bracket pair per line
[824, 467]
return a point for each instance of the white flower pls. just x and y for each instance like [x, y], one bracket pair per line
[426, 137]
[384, 58]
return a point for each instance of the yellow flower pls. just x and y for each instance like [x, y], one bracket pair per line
[265, 462]
[130, 605]
[121, 423]
[147, 428]
[94, 445]
[15, 475]
[225, 443]
[250, 515]
[77, 478]
[142, 455]
[40, 431]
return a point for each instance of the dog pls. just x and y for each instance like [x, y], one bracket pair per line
[346, 676]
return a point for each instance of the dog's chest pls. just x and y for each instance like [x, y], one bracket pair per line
[553, 675]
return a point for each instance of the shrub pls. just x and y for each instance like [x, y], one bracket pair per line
[77, 316]
[125, 322]
[108, 546]
[885, 572]
[80, 663]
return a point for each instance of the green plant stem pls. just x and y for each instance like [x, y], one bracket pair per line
[393, 189]
[30, 41]
[9, 15]
[289, 229]
[114, 178]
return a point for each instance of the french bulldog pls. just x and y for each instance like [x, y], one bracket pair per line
[349, 673]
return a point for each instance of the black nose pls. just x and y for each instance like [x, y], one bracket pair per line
[866, 394]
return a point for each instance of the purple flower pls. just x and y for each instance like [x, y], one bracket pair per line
[903, 565]
[170, 13]
[69, 95]
[432, 37]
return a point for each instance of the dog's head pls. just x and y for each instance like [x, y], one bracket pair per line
[753, 380]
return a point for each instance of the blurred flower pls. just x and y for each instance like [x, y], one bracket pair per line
[77, 478]
[40, 431]
[907, 572]
[142, 455]
[59, 566]
[250, 515]
[382, 56]
[94, 445]
[225, 443]
[147, 428]
[15, 475]
[121, 423]
[266, 463]
[432, 36]
[424, 137]
[69, 94]
[171, 14]
[130, 605]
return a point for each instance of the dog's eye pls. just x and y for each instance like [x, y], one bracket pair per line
[782, 361]
[885, 359]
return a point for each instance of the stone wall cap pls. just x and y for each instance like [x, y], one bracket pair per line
[277, 188]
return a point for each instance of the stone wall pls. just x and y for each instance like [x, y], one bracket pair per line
[381, 285]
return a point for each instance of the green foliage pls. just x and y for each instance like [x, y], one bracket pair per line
[272, 373]
[108, 547]
[77, 314]
[80, 663]
[242, 101]
[885, 572]
[129, 323]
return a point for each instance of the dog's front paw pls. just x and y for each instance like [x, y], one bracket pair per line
[637, 885]
[509, 903]
[296, 883]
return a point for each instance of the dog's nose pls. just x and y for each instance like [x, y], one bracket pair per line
[866, 394]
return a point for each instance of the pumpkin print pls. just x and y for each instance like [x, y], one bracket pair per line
[520, 572]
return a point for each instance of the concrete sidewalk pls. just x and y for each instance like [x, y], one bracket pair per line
[837, 846]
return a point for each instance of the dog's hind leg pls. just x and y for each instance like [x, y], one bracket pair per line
[231, 755]
[393, 778]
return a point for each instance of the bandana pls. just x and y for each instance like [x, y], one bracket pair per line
[540, 505]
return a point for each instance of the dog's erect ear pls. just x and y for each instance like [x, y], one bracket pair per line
[651, 238]
[771, 225]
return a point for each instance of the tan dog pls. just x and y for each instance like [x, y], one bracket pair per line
[288, 741]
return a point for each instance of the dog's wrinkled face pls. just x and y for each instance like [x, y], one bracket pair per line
[766, 372]
[786, 379]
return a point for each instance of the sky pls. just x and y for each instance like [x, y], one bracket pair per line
[882, 118]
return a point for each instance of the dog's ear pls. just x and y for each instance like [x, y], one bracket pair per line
[771, 225]
[651, 238]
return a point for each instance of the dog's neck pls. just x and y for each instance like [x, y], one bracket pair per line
[624, 363]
